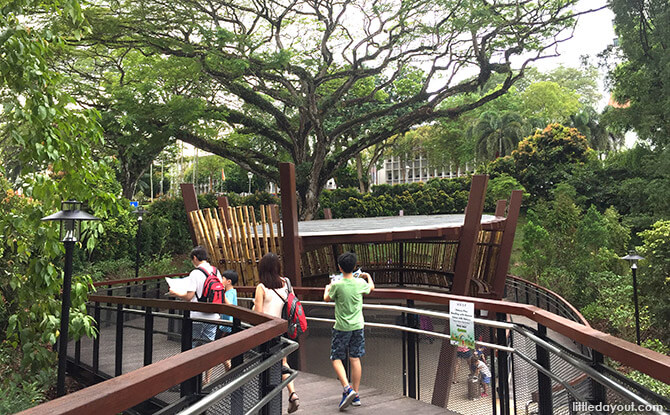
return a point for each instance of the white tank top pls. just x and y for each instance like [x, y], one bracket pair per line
[272, 303]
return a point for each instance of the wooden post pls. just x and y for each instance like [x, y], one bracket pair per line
[505, 252]
[222, 202]
[500, 207]
[463, 269]
[327, 213]
[289, 209]
[190, 204]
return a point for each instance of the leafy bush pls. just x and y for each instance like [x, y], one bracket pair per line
[21, 389]
[436, 196]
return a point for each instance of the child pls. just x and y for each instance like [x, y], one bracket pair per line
[229, 278]
[485, 379]
[348, 336]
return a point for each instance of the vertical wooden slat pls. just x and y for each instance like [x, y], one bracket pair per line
[505, 253]
[265, 233]
[191, 205]
[273, 243]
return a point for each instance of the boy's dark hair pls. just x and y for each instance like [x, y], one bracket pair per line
[347, 261]
[231, 275]
[200, 253]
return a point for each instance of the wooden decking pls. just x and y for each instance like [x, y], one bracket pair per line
[321, 395]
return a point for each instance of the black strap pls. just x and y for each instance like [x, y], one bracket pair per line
[289, 290]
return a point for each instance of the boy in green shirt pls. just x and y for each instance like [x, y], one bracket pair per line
[348, 336]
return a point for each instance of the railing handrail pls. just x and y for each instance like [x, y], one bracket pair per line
[548, 291]
[125, 391]
[647, 361]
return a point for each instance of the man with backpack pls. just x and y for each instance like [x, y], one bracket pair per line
[203, 284]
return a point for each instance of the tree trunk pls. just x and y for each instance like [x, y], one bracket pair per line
[359, 173]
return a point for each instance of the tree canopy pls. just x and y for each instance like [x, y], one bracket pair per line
[641, 82]
[295, 79]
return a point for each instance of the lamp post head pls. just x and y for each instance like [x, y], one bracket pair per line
[70, 217]
[633, 257]
[250, 175]
[140, 212]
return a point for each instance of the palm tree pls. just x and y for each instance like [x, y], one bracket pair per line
[600, 139]
[498, 134]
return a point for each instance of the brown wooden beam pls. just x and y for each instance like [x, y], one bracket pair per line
[500, 207]
[327, 213]
[463, 270]
[289, 210]
[122, 392]
[190, 204]
[467, 245]
[505, 253]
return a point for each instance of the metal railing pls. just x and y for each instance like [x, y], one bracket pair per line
[534, 369]
[238, 374]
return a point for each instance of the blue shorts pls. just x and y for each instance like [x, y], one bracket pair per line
[343, 341]
[203, 333]
[486, 379]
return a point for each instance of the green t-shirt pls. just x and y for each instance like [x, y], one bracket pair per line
[347, 294]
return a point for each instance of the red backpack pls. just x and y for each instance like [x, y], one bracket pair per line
[213, 289]
[293, 313]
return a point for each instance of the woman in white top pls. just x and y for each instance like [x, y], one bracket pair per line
[271, 293]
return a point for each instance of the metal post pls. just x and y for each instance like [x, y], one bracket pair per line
[599, 392]
[96, 340]
[237, 327]
[494, 399]
[148, 336]
[265, 379]
[401, 263]
[118, 355]
[412, 340]
[404, 356]
[189, 386]
[137, 249]
[65, 319]
[637, 310]
[503, 369]
[545, 404]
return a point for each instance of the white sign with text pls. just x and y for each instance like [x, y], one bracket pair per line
[462, 323]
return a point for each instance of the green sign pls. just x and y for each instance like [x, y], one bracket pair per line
[462, 323]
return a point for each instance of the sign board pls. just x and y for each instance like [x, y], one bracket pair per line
[134, 203]
[462, 323]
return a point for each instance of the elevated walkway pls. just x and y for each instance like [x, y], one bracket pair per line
[321, 395]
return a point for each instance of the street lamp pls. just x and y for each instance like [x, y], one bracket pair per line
[633, 257]
[250, 175]
[140, 212]
[70, 217]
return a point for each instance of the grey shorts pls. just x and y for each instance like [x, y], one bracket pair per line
[343, 341]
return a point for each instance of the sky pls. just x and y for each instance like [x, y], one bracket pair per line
[594, 32]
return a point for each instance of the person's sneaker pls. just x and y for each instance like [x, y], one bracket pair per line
[356, 401]
[347, 398]
[484, 394]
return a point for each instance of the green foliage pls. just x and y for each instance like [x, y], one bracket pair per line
[499, 188]
[549, 157]
[20, 389]
[641, 81]
[654, 278]
[435, 197]
[563, 247]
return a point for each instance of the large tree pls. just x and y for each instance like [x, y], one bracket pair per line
[285, 71]
[642, 81]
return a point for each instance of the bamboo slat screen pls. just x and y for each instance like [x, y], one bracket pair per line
[486, 259]
[237, 239]
[410, 262]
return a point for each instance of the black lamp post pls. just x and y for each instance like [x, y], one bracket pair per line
[70, 217]
[140, 212]
[633, 257]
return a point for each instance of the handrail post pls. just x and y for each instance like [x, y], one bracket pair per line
[118, 355]
[404, 355]
[237, 327]
[291, 245]
[503, 368]
[412, 349]
[599, 393]
[189, 386]
[96, 340]
[148, 336]
[545, 404]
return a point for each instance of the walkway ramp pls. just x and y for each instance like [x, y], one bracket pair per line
[321, 395]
